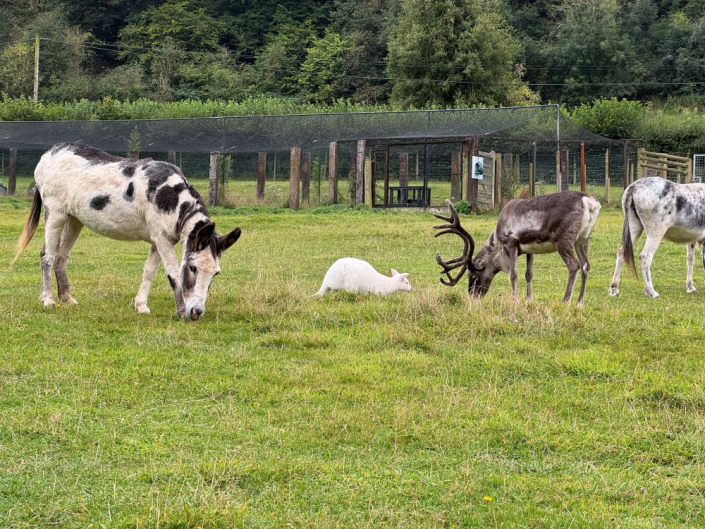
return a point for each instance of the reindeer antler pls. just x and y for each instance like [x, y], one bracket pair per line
[464, 262]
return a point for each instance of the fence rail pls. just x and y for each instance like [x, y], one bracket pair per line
[664, 165]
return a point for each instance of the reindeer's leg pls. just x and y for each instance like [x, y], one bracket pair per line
[646, 256]
[513, 251]
[573, 265]
[529, 276]
[582, 250]
[689, 261]
[54, 225]
[69, 236]
[171, 265]
[150, 268]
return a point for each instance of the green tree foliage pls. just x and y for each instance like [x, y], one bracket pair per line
[323, 67]
[16, 70]
[612, 118]
[454, 52]
[589, 55]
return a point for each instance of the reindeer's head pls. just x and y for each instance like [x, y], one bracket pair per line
[481, 270]
[201, 263]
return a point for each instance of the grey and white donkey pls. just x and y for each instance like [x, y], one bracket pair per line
[664, 210]
[125, 199]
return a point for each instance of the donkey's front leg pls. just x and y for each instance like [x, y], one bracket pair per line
[150, 268]
[171, 265]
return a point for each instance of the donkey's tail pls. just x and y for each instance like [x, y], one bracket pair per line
[627, 247]
[31, 226]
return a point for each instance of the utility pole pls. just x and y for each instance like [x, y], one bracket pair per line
[36, 68]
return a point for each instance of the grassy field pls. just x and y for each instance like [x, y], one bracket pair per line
[277, 409]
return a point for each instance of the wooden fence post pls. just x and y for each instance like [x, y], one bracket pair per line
[497, 180]
[474, 184]
[625, 159]
[261, 174]
[689, 170]
[582, 166]
[532, 172]
[213, 178]
[306, 177]
[455, 162]
[465, 170]
[12, 172]
[171, 157]
[333, 173]
[404, 169]
[565, 154]
[559, 174]
[368, 197]
[639, 155]
[294, 171]
[360, 172]
[607, 176]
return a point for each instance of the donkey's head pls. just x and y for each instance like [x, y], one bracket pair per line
[201, 263]
[481, 270]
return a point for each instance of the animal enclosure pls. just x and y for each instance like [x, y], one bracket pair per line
[380, 159]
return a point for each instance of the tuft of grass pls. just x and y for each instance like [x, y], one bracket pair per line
[281, 409]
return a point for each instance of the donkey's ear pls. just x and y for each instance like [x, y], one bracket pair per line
[226, 241]
[199, 240]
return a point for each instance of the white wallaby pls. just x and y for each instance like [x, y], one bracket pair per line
[359, 277]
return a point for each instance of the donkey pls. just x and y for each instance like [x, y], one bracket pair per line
[125, 199]
[675, 212]
[559, 222]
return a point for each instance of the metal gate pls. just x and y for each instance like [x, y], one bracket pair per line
[699, 168]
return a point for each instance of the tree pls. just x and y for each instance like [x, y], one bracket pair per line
[17, 70]
[590, 56]
[323, 67]
[454, 52]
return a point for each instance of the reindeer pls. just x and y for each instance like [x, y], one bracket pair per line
[664, 210]
[559, 222]
[128, 200]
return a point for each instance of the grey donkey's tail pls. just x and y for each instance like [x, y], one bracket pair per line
[627, 248]
[31, 226]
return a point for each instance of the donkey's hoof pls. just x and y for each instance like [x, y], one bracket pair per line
[690, 289]
[613, 291]
[49, 303]
[142, 308]
[69, 301]
[652, 294]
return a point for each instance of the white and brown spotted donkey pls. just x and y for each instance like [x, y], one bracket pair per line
[125, 199]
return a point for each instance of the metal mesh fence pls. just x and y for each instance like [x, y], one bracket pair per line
[411, 148]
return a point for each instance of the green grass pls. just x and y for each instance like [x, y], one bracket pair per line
[277, 409]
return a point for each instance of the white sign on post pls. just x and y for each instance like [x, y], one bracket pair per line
[478, 167]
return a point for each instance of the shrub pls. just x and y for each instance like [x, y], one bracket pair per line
[610, 117]
[463, 207]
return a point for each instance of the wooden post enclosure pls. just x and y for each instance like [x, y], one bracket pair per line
[607, 175]
[582, 167]
[261, 174]
[662, 164]
[306, 177]
[404, 169]
[455, 173]
[497, 180]
[294, 172]
[465, 170]
[213, 178]
[360, 172]
[12, 172]
[333, 173]
[368, 197]
[532, 172]
[474, 184]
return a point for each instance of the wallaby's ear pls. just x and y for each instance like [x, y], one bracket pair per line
[226, 241]
[394, 272]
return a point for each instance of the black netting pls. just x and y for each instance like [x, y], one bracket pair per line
[413, 149]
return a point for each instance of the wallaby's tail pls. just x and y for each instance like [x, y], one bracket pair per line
[31, 226]
[627, 248]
